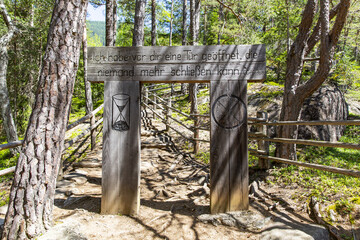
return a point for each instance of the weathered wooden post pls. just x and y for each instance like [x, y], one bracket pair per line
[154, 104]
[168, 113]
[146, 95]
[228, 140]
[263, 145]
[196, 134]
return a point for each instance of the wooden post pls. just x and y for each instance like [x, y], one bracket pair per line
[121, 148]
[196, 134]
[168, 113]
[228, 143]
[154, 104]
[146, 95]
[263, 145]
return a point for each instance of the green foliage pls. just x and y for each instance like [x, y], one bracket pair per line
[96, 33]
[203, 156]
[4, 198]
[327, 186]
[7, 159]
[346, 71]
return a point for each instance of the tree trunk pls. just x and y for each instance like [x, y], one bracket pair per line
[153, 22]
[184, 25]
[88, 95]
[221, 17]
[8, 120]
[296, 91]
[171, 22]
[32, 192]
[184, 34]
[138, 35]
[194, 33]
[205, 26]
[110, 23]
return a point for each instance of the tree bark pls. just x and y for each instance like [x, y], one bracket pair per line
[153, 22]
[110, 22]
[138, 35]
[184, 35]
[184, 25]
[221, 17]
[8, 120]
[171, 22]
[296, 91]
[194, 34]
[88, 95]
[33, 188]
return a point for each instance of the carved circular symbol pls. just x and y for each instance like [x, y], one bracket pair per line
[229, 111]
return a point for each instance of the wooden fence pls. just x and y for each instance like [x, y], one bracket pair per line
[263, 139]
[90, 130]
[154, 101]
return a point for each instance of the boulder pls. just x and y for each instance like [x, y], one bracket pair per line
[327, 103]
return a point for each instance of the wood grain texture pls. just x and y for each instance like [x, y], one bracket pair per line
[121, 153]
[228, 154]
[177, 64]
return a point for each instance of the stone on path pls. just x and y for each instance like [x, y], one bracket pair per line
[279, 228]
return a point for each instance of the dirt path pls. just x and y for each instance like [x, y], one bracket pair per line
[174, 205]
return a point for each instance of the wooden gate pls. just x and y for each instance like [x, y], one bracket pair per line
[227, 68]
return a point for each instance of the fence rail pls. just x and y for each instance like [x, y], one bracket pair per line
[90, 130]
[261, 136]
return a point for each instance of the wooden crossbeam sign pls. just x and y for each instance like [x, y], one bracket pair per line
[227, 68]
[177, 64]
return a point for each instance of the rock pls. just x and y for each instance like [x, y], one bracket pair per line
[302, 232]
[71, 200]
[327, 103]
[332, 215]
[354, 106]
[78, 178]
[65, 184]
[240, 219]
[82, 172]
[64, 231]
[4, 209]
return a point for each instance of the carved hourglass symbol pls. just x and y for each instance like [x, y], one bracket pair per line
[121, 112]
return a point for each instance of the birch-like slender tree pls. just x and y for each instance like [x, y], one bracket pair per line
[110, 22]
[194, 35]
[33, 188]
[138, 35]
[6, 113]
[153, 22]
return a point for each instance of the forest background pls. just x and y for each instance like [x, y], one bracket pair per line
[274, 23]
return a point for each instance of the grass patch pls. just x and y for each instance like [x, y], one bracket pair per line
[327, 186]
[203, 156]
